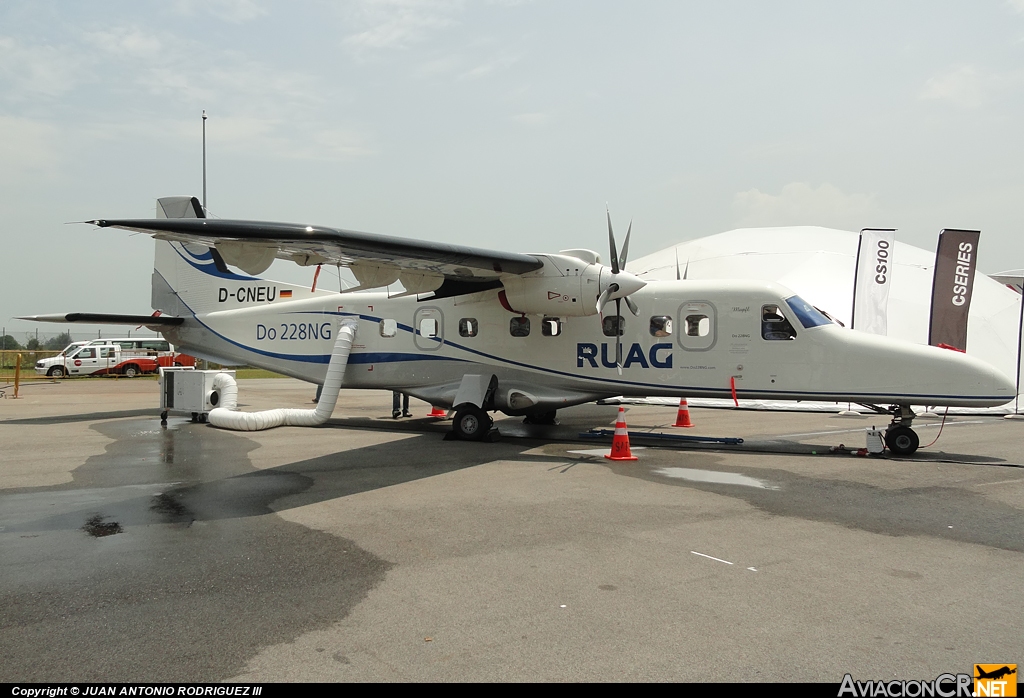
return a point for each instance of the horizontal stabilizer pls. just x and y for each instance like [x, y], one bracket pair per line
[108, 319]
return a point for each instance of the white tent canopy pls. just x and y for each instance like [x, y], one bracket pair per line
[819, 263]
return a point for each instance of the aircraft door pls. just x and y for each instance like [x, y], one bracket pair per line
[428, 328]
[698, 326]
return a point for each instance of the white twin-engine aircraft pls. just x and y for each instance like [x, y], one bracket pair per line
[525, 334]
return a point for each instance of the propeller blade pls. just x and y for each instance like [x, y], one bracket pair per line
[618, 336]
[611, 243]
[602, 300]
[632, 306]
[625, 245]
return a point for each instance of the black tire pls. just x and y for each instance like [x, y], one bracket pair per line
[56, 372]
[472, 423]
[130, 371]
[902, 441]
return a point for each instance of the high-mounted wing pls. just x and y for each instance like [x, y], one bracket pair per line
[375, 260]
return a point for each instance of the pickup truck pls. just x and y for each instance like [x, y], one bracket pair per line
[107, 357]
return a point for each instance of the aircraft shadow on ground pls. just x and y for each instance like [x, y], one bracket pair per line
[218, 481]
[84, 417]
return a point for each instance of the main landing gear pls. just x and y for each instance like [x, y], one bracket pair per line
[900, 439]
[472, 423]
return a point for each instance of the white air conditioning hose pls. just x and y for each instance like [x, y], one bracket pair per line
[226, 417]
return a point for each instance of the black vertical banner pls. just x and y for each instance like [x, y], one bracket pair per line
[955, 262]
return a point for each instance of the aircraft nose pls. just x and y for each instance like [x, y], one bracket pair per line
[1003, 383]
[983, 377]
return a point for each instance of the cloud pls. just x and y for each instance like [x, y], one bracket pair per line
[399, 24]
[235, 11]
[800, 204]
[964, 87]
[503, 61]
[126, 42]
[537, 118]
[438, 66]
[27, 148]
[38, 69]
[252, 104]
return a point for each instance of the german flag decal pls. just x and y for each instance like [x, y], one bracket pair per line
[286, 294]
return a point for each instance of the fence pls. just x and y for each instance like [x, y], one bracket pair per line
[9, 360]
[55, 341]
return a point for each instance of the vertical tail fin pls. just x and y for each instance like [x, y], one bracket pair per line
[175, 263]
[179, 207]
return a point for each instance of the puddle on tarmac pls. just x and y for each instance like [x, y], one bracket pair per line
[714, 476]
[96, 527]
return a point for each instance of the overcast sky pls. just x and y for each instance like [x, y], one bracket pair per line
[502, 124]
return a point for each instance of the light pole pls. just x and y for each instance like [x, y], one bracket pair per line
[204, 160]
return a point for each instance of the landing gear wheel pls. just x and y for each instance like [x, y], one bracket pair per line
[163, 418]
[902, 441]
[472, 423]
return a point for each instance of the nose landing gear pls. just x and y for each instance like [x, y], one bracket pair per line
[900, 439]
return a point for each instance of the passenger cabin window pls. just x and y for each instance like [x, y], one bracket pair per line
[661, 326]
[551, 327]
[698, 325]
[774, 325]
[428, 327]
[519, 327]
[614, 325]
[388, 328]
[468, 327]
[428, 324]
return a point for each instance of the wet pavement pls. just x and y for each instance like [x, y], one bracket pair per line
[372, 549]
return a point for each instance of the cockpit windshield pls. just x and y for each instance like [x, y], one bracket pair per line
[807, 314]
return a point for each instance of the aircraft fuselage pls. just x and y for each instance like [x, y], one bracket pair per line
[691, 339]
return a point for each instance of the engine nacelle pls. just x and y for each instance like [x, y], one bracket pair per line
[563, 287]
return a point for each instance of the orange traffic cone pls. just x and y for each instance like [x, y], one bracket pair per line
[436, 411]
[620, 442]
[683, 415]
